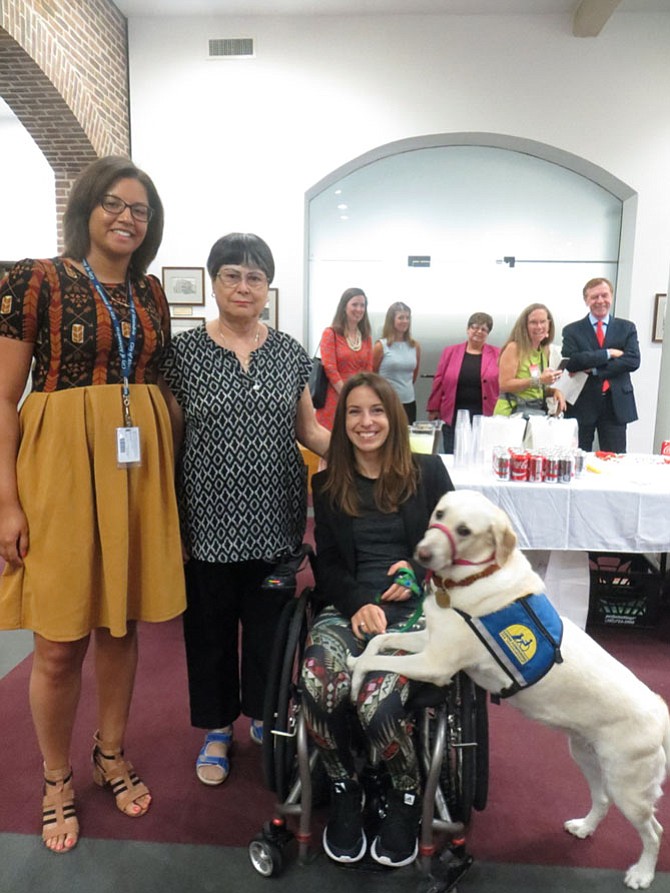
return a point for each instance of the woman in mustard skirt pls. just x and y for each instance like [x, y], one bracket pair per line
[88, 519]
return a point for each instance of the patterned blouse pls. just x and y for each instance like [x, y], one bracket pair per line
[241, 479]
[54, 305]
[340, 362]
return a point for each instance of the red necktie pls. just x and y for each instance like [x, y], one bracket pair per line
[600, 335]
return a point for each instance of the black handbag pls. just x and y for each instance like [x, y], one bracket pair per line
[318, 383]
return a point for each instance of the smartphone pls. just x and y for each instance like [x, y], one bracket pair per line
[563, 364]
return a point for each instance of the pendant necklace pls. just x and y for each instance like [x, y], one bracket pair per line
[244, 359]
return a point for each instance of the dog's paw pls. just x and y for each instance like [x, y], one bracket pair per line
[351, 662]
[579, 827]
[638, 878]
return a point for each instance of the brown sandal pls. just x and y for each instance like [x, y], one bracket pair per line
[58, 814]
[109, 767]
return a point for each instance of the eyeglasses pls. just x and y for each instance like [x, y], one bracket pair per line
[480, 329]
[115, 205]
[232, 278]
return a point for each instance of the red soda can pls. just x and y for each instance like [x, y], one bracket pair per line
[519, 469]
[665, 448]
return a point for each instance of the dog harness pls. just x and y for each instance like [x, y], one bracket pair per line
[524, 639]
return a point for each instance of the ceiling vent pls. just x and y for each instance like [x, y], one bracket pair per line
[232, 48]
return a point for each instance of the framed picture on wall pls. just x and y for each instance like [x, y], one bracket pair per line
[184, 323]
[270, 314]
[184, 285]
[659, 317]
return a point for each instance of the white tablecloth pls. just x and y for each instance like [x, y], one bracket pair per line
[603, 512]
[626, 509]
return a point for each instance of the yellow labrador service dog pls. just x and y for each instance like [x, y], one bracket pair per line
[619, 730]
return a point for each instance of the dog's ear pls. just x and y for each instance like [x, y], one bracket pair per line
[503, 537]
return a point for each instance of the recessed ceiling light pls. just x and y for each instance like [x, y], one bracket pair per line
[342, 207]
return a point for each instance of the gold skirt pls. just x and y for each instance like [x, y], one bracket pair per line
[104, 543]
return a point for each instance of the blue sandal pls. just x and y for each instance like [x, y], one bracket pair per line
[222, 762]
[256, 731]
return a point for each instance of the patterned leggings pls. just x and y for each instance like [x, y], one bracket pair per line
[380, 707]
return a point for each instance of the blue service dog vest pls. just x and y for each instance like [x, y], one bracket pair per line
[524, 639]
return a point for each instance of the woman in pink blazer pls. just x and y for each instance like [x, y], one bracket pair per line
[466, 378]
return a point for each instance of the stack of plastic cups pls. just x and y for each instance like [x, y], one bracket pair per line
[462, 439]
[477, 445]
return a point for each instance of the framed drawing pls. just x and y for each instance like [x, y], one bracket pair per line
[271, 309]
[659, 317]
[184, 323]
[184, 285]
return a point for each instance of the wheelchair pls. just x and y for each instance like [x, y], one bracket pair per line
[451, 739]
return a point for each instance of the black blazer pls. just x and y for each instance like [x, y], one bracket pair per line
[333, 531]
[580, 346]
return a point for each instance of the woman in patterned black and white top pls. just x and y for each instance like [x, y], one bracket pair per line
[241, 401]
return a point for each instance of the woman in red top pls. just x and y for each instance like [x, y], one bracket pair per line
[346, 348]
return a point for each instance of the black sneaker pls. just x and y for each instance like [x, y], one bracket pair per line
[397, 843]
[343, 837]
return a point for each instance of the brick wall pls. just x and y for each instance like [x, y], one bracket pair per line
[64, 74]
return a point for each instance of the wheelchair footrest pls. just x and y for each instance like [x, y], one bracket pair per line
[447, 871]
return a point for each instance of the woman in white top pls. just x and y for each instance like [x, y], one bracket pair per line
[397, 356]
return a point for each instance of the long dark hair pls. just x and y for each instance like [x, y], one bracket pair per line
[340, 318]
[87, 192]
[399, 475]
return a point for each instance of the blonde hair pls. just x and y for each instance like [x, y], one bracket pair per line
[519, 334]
[389, 331]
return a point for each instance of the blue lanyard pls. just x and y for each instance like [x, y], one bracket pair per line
[126, 349]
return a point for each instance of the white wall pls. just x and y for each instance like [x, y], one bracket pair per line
[27, 194]
[234, 145]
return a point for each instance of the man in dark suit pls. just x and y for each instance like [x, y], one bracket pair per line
[607, 350]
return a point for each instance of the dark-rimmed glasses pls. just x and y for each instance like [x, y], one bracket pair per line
[115, 205]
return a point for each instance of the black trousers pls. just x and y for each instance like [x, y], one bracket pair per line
[410, 411]
[611, 432]
[220, 599]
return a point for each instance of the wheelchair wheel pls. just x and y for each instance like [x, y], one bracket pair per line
[279, 743]
[482, 752]
[272, 693]
[459, 767]
[266, 858]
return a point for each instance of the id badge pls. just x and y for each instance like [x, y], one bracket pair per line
[128, 446]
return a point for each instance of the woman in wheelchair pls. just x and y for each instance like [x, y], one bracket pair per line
[372, 505]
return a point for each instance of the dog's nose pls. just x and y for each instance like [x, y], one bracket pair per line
[424, 554]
